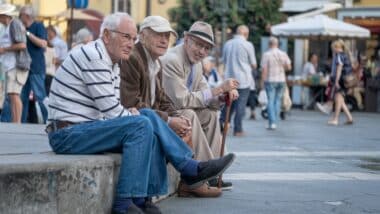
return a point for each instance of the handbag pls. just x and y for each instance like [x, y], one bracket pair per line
[263, 99]
[350, 80]
[286, 100]
[23, 60]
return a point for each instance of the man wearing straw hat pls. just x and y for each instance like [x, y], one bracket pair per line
[12, 43]
[183, 82]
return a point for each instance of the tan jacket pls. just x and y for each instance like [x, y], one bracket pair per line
[176, 70]
[135, 85]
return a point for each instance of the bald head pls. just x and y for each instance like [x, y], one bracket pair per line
[273, 42]
[243, 30]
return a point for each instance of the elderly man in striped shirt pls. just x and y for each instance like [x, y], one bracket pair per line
[86, 117]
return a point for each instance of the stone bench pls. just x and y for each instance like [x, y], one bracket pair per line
[35, 180]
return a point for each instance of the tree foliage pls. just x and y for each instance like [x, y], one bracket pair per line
[256, 14]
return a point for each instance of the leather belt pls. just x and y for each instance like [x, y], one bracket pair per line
[57, 124]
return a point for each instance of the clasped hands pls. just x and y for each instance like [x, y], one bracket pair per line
[230, 86]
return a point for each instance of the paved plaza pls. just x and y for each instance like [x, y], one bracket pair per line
[305, 166]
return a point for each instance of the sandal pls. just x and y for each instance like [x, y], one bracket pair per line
[332, 122]
[349, 122]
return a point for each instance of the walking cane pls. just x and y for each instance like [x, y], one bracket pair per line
[225, 129]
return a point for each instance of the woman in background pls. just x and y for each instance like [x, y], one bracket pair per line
[341, 65]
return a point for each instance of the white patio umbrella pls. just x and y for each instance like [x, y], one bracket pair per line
[319, 26]
[77, 14]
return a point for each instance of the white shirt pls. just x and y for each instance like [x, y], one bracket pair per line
[8, 58]
[60, 48]
[308, 69]
[238, 58]
[86, 86]
[274, 60]
[154, 68]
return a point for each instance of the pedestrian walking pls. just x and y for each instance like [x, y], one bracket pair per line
[274, 63]
[15, 60]
[239, 59]
[36, 44]
[341, 66]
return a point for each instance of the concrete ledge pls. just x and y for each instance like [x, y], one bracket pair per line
[49, 183]
[36, 180]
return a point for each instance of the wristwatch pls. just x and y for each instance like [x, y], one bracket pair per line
[27, 33]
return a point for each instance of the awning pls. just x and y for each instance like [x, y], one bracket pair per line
[300, 6]
[320, 26]
[78, 14]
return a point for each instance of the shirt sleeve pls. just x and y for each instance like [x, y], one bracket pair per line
[251, 54]
[286, 59]
[264, 61]
[339, 59]
[41, 32]
[18, 31]
[61, 50]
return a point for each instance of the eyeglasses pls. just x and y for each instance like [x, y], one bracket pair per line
[200, 46]
[125, 36]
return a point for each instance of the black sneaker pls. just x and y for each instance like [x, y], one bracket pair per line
[133, 209]
[150, 208]
[208, 170]
[225, 184]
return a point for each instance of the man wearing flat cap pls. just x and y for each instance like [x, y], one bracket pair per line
[141, 87]
[183, 82]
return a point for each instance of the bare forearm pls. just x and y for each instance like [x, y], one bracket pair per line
[16, 47]
[37, 41]
[338, 73]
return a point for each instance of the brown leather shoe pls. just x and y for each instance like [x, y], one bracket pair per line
[203, 191]
[239, 134]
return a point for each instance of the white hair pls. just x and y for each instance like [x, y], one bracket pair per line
[82, 35]
[273, 41]
[112, 21]
[28, 10]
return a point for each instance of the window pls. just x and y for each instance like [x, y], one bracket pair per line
[122, 6]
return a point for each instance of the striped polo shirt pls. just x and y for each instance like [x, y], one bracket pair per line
[86, 86]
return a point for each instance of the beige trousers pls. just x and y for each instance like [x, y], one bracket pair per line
[206, 135]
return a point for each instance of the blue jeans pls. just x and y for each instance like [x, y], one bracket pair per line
[35, 83]
[145, 142]
[238, 106]
[6, 114]
[275, 92]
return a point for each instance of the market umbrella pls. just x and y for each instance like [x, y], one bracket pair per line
[77, 14]
[320, 26]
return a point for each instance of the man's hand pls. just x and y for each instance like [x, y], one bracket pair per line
[180, 125]
[134, 111]
[233, 95]
[229, 84]
[2, 50]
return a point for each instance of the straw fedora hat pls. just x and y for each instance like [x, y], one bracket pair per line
[7, 9]
[203, 31]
